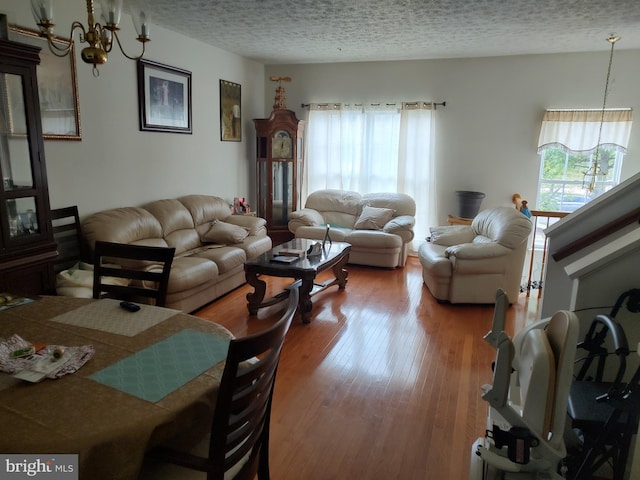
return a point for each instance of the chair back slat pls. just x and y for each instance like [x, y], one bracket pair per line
[147, 269]
[67, 235]
[238, 446]
[241, 421]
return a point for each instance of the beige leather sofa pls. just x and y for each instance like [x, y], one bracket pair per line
[469, 263]
[211, 244]
[379, 226]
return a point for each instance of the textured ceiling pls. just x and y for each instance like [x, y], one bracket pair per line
[320, 31]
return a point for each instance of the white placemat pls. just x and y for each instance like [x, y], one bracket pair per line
[106, 315]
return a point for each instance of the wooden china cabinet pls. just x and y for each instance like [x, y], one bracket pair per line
[280, 151]
[27, 248]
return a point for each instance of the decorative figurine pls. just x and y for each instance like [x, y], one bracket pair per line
[524, 209]
[240, 206]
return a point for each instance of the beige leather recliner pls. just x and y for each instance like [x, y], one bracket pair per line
[379, 226]
[469, 263]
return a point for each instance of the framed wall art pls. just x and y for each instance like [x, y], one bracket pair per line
[230, 112]
[57, 86]
[164, 96]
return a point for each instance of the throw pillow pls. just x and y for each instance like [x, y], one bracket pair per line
[373, 218]
[224, 233]
[448, 235]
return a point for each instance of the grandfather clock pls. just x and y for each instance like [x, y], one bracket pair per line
[279, 146]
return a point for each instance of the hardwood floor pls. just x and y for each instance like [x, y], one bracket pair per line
[384, 383]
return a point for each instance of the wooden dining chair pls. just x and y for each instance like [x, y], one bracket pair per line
[146, 268]
[66, 234]
[238, 445]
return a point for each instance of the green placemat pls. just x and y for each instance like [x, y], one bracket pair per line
[161, 368]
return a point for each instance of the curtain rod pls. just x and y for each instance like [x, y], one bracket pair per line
[612, 109]
[436, 104]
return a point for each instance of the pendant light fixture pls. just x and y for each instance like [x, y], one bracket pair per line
[101, 36]
[595, 172]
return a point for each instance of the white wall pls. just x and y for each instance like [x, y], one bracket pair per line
[487, 134]
[116, 164]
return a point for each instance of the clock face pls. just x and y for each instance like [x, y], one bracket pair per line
[281, 145]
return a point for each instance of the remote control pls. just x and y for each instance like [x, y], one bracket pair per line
[130, 306]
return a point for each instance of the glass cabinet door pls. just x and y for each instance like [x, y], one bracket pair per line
[20, 202]
[23, 220]
[27, 247]
[15, 157]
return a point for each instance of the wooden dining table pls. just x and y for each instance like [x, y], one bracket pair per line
[131, 395]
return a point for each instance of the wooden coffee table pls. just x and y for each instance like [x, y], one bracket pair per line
[334, 256]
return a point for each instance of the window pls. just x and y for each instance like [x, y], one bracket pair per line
[561, 186]
[352, 148]
[581, 154]
[374, 148]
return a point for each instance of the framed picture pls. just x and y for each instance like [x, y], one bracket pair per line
[230, 112]
[57, 86]
[164, 96]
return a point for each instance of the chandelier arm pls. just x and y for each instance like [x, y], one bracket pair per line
[103, 37]
[56, 50]
[115, 34]
[98, 36]
[62, 51]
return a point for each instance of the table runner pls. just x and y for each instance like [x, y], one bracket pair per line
[161, 368]
[113, 318]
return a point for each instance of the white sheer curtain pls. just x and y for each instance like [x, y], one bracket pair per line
[374, 148]
[417, 172]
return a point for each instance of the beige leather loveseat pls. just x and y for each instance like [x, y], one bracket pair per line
[211, 244]
[379, 226]
[469, 263]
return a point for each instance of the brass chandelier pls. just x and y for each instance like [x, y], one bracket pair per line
[595, 170]
[99, 36]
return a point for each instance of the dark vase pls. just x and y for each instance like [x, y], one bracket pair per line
[469, 203]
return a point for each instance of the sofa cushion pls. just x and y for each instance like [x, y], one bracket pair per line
[255, 245]
[190, 272]
[306, 216]
[451, 234]
[402, 203]
[255, 225]
[226, 258]
[224, 233]
[401, 225]
[77, 281]
[374, 239]
[122, 225]
[338, 207]
[373, 218]
[177, 224]
[317, 233]
[335, 201]
[205, 209]
[433, 259]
